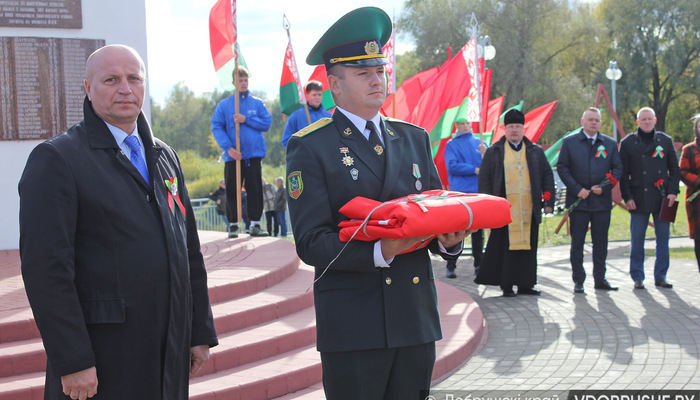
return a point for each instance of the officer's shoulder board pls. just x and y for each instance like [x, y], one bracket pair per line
[394, 120]
[313, 127]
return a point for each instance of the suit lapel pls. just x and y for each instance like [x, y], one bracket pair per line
[394, 158]
[358, 145]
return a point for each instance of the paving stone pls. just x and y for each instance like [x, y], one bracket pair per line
[628, 339]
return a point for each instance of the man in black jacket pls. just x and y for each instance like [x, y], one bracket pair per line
[110, 254]
[511, 254]
[648, 157]
[584, 160]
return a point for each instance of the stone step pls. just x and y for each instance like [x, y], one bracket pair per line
[261, 380]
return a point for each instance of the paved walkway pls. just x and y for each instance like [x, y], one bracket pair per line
[561, 341]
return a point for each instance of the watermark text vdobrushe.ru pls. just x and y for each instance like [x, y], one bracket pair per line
[570, 395]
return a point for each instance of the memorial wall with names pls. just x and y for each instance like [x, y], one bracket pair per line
[41, 85]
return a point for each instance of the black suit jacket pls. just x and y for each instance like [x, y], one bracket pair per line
[359, 306]
[641, 170]
[115, 278]
[579, 168]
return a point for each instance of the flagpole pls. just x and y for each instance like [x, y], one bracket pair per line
[302, 94]
[393, 60]
[475, 36]
[236, 93]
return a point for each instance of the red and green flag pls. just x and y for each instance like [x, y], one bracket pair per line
[291, 92]
[535, 121]
[320, 75]
[223, 37]
[440, 103]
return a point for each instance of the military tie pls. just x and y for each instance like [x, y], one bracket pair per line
[136, 157]
[374, 139]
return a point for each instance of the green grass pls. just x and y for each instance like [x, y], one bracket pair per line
[619, 226]
[685, 253]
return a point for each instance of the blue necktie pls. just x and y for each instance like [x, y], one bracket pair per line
[136, 158]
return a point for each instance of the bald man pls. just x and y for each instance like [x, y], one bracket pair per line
[110, 255]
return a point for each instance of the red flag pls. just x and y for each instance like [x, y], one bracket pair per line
[485, 94]
[537, 119]
[388, 51]
[494, 113]
[440, 102]
[535, 123]
[407, 95]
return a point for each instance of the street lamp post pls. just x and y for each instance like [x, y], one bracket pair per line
[613, 73]
[486, 49]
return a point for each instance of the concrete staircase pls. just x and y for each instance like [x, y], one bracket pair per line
[263, 315]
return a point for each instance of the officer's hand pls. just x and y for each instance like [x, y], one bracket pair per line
[198, 356]
[239, 118]
[393, 247]
[449, 240]
[671, 199]
[235, 154]
[631, 205]
[584, 193]
[597, 190]
[80, 385]
[548, 210]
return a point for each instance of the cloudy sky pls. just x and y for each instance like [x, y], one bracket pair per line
[178, 39]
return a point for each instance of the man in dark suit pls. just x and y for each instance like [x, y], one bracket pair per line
[376, 310]
[584, 159]
[648, 156]
[110, 255]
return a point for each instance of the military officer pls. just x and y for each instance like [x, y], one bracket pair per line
[376, 309]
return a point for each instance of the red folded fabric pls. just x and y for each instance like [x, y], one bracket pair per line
[427, 214]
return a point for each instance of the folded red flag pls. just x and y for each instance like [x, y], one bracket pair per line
[427, 214]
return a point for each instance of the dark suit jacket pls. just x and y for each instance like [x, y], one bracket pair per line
[115, 279]
[579, 168]
[641, 170]
[359, 306]
[491, 174]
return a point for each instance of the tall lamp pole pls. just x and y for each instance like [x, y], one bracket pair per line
[614, 73]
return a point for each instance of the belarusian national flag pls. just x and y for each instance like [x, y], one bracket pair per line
[437, 108]
[291, 93]
[320, 75]
[222, 39]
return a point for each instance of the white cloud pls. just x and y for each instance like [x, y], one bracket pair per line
[178, 40]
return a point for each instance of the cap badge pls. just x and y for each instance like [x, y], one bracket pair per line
[371, 48]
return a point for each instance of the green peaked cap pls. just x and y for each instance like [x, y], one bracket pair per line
[360, 25]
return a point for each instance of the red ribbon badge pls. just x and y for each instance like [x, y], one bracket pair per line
[174, 196]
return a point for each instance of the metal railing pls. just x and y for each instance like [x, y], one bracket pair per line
[209, 220]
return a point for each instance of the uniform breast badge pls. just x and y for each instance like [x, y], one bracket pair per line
[354, 172]
[417, 175]
[347, 160]
[379, 149]
[347, 132]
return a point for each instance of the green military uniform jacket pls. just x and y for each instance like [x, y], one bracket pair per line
[359, 306]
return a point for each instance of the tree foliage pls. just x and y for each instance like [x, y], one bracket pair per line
[559, 50]
[657, 46]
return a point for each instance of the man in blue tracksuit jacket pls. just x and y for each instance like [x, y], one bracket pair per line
[254, 119]
[463, 158]
[297, 121]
